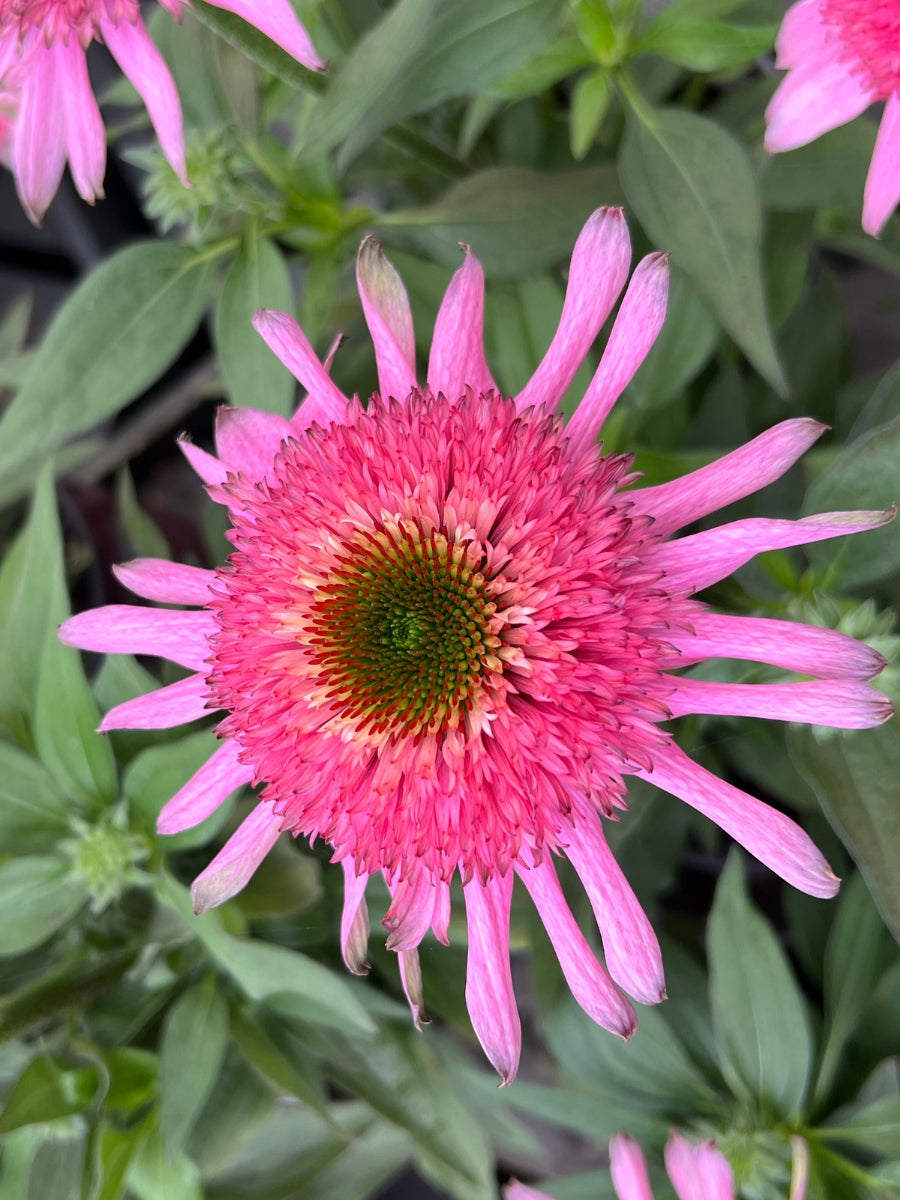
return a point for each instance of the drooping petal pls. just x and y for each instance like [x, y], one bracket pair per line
[765, 832]
[136, 53]
[354, 920]
[205, 791]
[389, 317]
[182, 637]
[636, 327]
[85, 135]
[840, 703]
[632, 952]
[731, 477]
[698, 1173]
[628, 1169]
[39, 149]
[284, 337]
[409, 917]
[587, 979]
[177, 704]
[597, 274]
[812, 99]
[807, 649]
[411, 978]
[165, 581]
[232, 868]
[699, 560]
[278, 21]
[247, 440]
[457, 348]
[799, 1167]
[489, 989]
[882, 193]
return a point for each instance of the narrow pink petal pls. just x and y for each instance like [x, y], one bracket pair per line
[85, 135]
[457, 349]
[278, 21]
[441, 913]
[597, 274]
[632, 952]
[135, 52]
[518, 1191]
[177, 704]
[700, 1173]
[175, 7]
[182, 637]
[354, 920]
[628, 1169]
[840, 703]
[767, 833]
[284, 337]
[586, 977]
[636, 327]
[205, 791]
[731, 477]
[39, 150]
[388, 315]
[489, 988]
[803, 36]
[411, 978]
[715, 1171]
[814, 98]
[882, 192]
[233, 867]
[248, 440]
[165, 581]
[699, 560]
[211, 471]
[799, 1167]
[409, 917]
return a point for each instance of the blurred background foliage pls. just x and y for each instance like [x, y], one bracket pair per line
[151, 1055]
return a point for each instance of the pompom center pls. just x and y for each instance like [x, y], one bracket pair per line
[870, 30]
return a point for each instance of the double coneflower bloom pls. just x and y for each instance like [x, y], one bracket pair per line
[452, 626]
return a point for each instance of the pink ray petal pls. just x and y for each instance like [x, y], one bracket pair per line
[882, 193]
[177, 704]
[411, 978]
[699, 560]
[284, 337]
[354, 920]
[803, 37]
[637, 324]
[278, 21]
[136, 53]
[632, 952]
[248, 440]
[388, 315]
[85, 134]
[165, 581]
[628, 1169]
[765, 832]
[175, 7]
[457, 348]
[807, 649]
[518, 1191]
[409, 917]
[587, 979]
[840, 703]
[39, 149]
[597, 274]
[698, 1173]
[799, 1167]
[441, 913]
[233, 867]
[731, 477]
[182, 637]
[205, 791]
[489, 988]
[812, 99]
[211, 471]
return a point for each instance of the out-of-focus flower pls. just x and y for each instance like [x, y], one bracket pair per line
[841, 56]
[448, 632]
[43, 45]
[697, 1172]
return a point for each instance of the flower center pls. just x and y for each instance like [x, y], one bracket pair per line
[870, 31]
[57, 20]
[404, 632]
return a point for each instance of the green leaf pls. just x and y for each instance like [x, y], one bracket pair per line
[266, 1056]
[44, 1092]
[830, 170]
[114, 335]
[855, 781]
[33, 814]
[590, 101]
[153, 1175]
[877, 1127]
[44, 1161]
[42, 896]
[113, 1151]
[258, 278]
[517, 221]
[143, 533]
[757, 1010]
[14, 324]
[704, 45]
[693, 189]
[422, 52]
[194, 1037]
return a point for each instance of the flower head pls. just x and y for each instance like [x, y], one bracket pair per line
[43, 63]
[450, 629]
[841, 56]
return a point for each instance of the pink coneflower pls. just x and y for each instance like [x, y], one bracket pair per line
[841, 56]
[447, 633]
[697, 1172]
[43, 46]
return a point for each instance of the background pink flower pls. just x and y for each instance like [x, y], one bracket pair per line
[43, 46]
[841, 56]
[450, 628]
